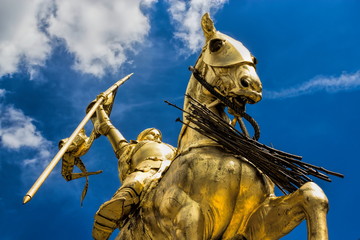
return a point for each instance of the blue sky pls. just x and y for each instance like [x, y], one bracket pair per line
[56, 56]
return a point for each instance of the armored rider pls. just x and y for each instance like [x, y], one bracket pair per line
[140, 162]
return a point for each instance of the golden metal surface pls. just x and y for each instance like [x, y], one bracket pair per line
[71, 158]
[141, 165]
[32, 191]
[207, 193]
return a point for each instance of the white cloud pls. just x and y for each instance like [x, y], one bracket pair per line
[186, 16]
[148, 3]
[344, 82]
[17, 131]
[21, 41]
[99, 33]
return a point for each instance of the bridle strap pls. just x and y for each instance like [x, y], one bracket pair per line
[226, 101]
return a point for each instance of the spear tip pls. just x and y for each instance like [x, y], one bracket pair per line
[26, 199]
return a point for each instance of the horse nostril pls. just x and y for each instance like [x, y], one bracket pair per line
[244, 82]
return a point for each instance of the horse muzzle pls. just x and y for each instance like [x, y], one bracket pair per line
[248, 90]
[248, 96]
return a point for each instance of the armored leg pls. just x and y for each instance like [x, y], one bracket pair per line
[112, 212]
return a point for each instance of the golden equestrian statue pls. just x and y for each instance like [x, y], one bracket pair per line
[208, 187]
[206, 192]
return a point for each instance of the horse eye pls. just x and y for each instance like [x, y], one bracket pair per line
[216, 44]
[255, 61]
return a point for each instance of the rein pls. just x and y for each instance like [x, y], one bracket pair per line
[237, 108]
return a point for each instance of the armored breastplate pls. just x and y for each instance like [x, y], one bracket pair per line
[151, 151]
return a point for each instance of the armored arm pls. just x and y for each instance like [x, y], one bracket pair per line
[104, 127]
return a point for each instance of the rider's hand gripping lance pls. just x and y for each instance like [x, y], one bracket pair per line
[29, 195]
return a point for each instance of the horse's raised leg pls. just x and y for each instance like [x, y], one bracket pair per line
[277, 216]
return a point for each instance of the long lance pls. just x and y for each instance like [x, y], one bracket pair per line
[30, 194]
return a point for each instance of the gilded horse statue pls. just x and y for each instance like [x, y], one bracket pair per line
[207, 193]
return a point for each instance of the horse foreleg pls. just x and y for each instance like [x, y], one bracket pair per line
[277, 216]
[316, 206]
[182, 216]
[189, 222]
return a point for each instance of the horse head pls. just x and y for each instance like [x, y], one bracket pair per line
[227, 65]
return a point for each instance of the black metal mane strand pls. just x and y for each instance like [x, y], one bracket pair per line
[286, 170]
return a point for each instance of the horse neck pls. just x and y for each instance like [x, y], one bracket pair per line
[189, 137]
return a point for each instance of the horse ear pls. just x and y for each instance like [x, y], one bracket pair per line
[208, 26]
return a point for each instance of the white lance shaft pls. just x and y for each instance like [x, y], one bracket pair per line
[30, 194]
